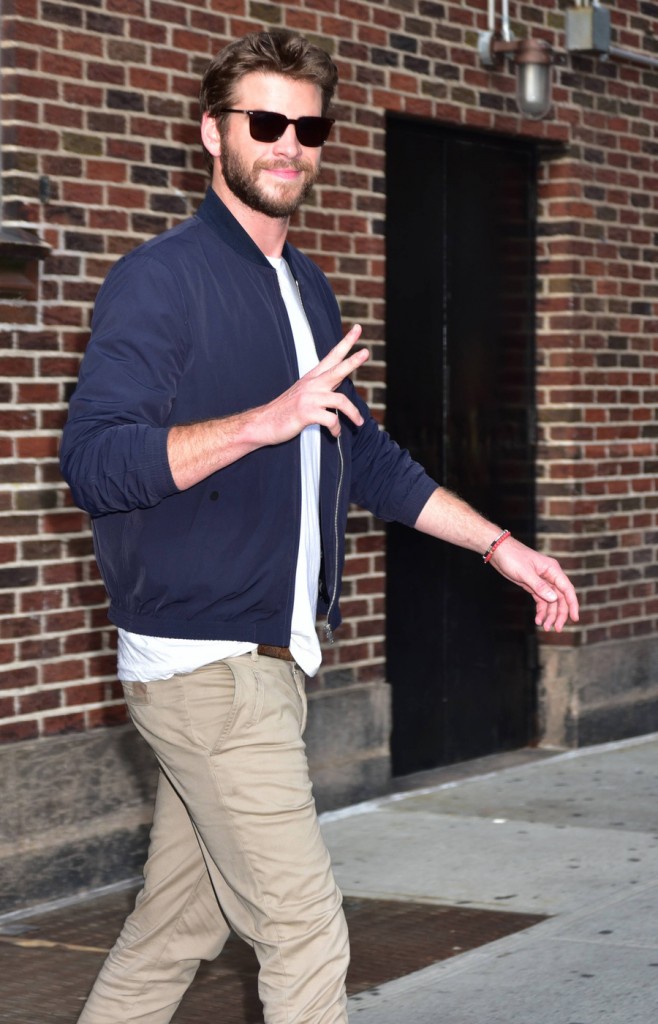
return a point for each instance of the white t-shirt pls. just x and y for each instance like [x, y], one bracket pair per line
[148, 658]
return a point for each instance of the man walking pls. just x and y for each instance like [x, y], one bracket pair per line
[216, 440]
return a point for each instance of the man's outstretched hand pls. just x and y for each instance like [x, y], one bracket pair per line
[449, 518]
[543, 578]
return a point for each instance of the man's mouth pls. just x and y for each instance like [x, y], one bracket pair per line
[288, 170]
[285, 173]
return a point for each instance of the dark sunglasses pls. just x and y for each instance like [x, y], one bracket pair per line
[266, 126]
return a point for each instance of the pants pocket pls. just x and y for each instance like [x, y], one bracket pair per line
[136, 693]
[198, 708]
[303, 700]
[213, 699]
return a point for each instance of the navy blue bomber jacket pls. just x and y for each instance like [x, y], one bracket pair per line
[191, 326]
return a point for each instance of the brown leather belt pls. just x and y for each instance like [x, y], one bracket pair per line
[282, 653]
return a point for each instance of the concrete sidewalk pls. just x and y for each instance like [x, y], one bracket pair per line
[572, 835]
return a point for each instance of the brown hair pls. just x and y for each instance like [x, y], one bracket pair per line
[279, 52]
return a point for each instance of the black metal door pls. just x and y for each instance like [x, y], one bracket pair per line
[460, 353]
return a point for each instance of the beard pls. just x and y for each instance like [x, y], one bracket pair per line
[243, 182]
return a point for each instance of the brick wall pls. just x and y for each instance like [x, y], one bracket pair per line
[100, 152]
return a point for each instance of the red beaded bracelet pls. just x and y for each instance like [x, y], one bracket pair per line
[495, 544]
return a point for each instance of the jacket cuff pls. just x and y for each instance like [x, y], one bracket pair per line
[416, 499]
[157, 461]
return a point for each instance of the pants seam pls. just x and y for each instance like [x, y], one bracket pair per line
[257, 885]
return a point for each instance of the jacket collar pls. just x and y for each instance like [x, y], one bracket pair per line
[217, 215]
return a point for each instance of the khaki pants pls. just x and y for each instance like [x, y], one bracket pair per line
[235, 842]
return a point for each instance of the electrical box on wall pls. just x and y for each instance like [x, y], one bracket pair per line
[587, 29]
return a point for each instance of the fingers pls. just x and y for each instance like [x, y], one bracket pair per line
[553, 592]
[551, 615]
[314, 398]
[340, 403]
[556, 602]
[329, 374]
[338, 364]
[339, 351]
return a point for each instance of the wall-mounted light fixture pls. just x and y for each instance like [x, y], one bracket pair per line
[587, 31]
[533, 59]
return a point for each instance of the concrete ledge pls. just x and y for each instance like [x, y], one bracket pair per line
[598, 694]
[618, 721]
[347, 739]
[71, 868]
[76, 813]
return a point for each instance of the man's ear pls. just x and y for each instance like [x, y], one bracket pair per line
[210, 134]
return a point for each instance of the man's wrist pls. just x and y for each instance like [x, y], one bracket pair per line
[495, 544]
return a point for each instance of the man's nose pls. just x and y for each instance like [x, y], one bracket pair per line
[288, 143]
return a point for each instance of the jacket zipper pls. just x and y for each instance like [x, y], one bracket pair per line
[328, 631]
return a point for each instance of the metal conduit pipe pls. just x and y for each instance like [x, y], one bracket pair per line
[506, 31]
[636, 58]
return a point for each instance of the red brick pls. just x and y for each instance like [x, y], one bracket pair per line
[18, 678]
[38, 700]
[55, 725]
[10, 731]
[91, 693]
[115, 714]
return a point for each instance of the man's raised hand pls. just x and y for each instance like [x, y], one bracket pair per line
[314, 398]
[196, 450]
